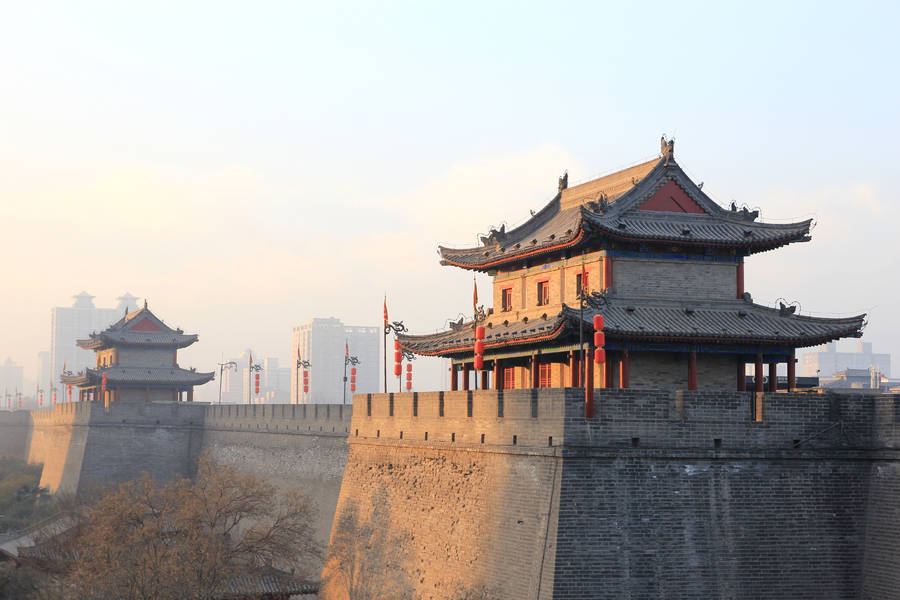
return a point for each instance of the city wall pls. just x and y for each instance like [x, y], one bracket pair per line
[82, 446]
[662, 495]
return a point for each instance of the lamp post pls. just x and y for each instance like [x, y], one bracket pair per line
[348, 360]
[397, 327]
[230, 365]
[301, 364]
[409, 356]
[253, 368]
[53, 394]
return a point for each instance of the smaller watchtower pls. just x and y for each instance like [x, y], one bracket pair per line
[137, 361]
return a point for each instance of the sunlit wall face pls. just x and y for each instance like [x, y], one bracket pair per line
[249, 168]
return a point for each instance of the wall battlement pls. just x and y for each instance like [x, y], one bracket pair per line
[631, 418]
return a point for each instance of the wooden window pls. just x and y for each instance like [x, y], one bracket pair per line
[509, 378]
[543, 293]
[579, 283]
[544, 375]
[506, 299]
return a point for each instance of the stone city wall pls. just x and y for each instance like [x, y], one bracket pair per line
[663, 494]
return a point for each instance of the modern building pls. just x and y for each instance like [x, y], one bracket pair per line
[11, 378]
[660, 265]
[826, 361]
[71, 323]
[136, 359]
[324, 343]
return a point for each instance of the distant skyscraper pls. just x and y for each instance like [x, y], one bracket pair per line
[828, 361]
[10, 378]
[322, 342]
[71, 323]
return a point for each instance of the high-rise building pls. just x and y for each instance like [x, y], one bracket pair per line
[11, 377]
[324, 343]
[826, 361]
[71, 323]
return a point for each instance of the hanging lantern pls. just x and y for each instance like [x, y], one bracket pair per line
[479, 332]
[54, 397]
[409, 366]
[305, 389]
[398, 369]
[305, 374]
[408, 386]
[103, 383]
[598, 322]
[396, 344]
[41, 399]
[69, 391]
[256, 384]
[353, 371]
[398, 356]
[409, 375]
[479, 362]
[599, 355]
[353, 379]
[599, 339]
[479, 347]
[352, 387]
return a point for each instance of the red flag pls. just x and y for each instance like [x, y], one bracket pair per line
[347, 349]
[584, 280]
[385, 312]
[475, 295]
[298, 352]
[251, 359]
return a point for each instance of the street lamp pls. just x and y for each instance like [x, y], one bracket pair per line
[409, 356]
[257, 368]
[230, 365]
[397, 327]
[304, 364]
[348, 360]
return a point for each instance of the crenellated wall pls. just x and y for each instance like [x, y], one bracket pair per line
[662, 495]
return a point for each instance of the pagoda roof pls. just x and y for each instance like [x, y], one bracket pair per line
[716, 321]
[139, 375]
[652, 201]
[138, 328]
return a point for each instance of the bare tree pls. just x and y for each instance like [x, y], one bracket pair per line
[184, 539]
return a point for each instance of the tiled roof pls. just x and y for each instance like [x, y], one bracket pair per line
[726, 321]
[611, 207]
[720, 320]
[133, 375]
[138, 328]
[268, 581]
[497, 335]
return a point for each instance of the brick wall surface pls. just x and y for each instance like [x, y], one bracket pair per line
[645, 277]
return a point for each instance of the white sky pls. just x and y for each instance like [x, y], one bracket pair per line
[248, 166]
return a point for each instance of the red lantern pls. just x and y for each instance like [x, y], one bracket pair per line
[353, 379]
[409, 375]
[398, 369]
[398, 356]
[305, 373]
[598, 322]
[600, 355]
[256, 384]
[396, 344]
[479, 333]
[353, 371]
[352, 387]
[103, 383]
[599, 339]
[69, 391]
[54, 397]
[479, 363]
[408, 385]
[305, 389]
[409, 366]
[41, 399]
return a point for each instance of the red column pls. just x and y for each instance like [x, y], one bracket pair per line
[589, 390]
[535, 376]
[498, 374]
[623, 370]
[465, 377]
[607, 272]
[741, 374]
[740, 280]
[792, 373]
[758, 372]
[773, 376]
[608, 373]
[454, 382]
[190, 394]
[573, 370]
[692, 370]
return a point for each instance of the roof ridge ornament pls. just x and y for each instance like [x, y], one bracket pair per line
[564, 181]
[667, 149]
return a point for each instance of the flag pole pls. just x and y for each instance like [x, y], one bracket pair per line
[582, 368]
[385, 341]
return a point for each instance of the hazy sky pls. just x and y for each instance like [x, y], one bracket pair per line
[248, 166]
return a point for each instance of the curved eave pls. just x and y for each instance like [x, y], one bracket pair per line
[103, 342]
[470, 348]
[509, 259]
[793, 342]
[752, 245]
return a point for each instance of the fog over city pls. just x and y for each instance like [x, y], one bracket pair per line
[246, 169]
